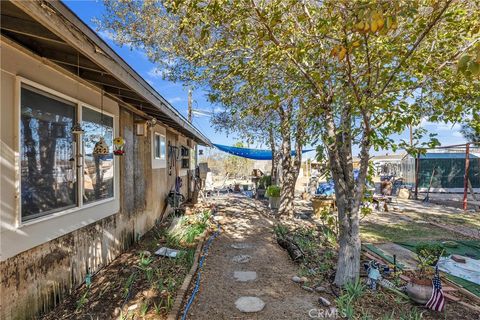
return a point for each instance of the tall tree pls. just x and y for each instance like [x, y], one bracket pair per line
[361, 70]
[276, 104]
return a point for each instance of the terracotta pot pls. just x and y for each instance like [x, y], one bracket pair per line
[419, 291]
[320, 204]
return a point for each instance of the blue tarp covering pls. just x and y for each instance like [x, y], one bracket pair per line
[255, 154]
[328, 188]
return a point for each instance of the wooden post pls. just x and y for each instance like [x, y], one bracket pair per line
[465, 182]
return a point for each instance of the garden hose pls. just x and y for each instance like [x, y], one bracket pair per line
[200, 266]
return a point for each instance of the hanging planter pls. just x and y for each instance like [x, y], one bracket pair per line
[101, 148]
[119, 146]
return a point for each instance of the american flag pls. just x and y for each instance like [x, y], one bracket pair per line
[437, 301]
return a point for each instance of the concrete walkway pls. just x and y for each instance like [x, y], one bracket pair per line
[246, 274]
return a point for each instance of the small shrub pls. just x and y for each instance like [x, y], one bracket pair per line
[414, 314]
[345, 306]
[354, 289]
[144, 261]
[83, 299]
[428, 255]
[432, 251]
[273, 191]
[128, 284]
[188, 228]
[143, 309]
[264, 182]
[280, 231]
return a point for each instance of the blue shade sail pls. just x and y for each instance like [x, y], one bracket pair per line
[255, 154]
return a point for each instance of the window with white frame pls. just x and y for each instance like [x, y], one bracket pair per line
[98, 171]
[159, 147]
[58, 170]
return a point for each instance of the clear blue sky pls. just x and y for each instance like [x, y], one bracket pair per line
[176, 93]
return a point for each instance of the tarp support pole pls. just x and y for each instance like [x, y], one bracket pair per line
[417, 172]
[467, 167]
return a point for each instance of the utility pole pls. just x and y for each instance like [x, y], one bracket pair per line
[190, 105]
[411, 135]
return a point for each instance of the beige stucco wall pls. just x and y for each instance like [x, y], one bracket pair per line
[44, 260]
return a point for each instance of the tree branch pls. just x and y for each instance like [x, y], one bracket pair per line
[414, 46]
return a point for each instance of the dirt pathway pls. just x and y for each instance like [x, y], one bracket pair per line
[246, 244]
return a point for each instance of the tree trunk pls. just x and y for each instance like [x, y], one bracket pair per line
[273, 172]
[290, 166]
[348, 193]
[290, 170]
[348, 262]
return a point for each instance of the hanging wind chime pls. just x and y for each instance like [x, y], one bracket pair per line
[101, 147]
[77, 127]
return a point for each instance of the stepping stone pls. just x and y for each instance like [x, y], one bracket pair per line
[241, 245]
[249, 304]
[242, 258]
[244, 276]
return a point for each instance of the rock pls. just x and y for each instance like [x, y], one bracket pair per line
[132, 307]
[146, 253]
[249, 304]
[457, 258]
[117, 311]
[320, 289]
[303, 279]
[303, 216]
[242, 258]
[244, 276]
[296, 279]
[324, 302]
[307, 288]
[150, 293]
[241, 245]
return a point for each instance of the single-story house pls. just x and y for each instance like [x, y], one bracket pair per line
[387, 165]
[89, 152]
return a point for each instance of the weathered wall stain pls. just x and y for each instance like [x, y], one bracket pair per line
[36, 280]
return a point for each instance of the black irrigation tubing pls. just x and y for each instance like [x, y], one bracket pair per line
[199, 269]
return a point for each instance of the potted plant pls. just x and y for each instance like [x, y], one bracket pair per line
[263, 183]
[419, 289]
[273, 194]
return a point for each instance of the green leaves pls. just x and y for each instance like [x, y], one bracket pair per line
[383, 64]
[469, 66]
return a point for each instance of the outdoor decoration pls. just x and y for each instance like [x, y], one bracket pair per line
[437, 300]
[101, 148]
[77, 129]
[374, 275]
[119, 146]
